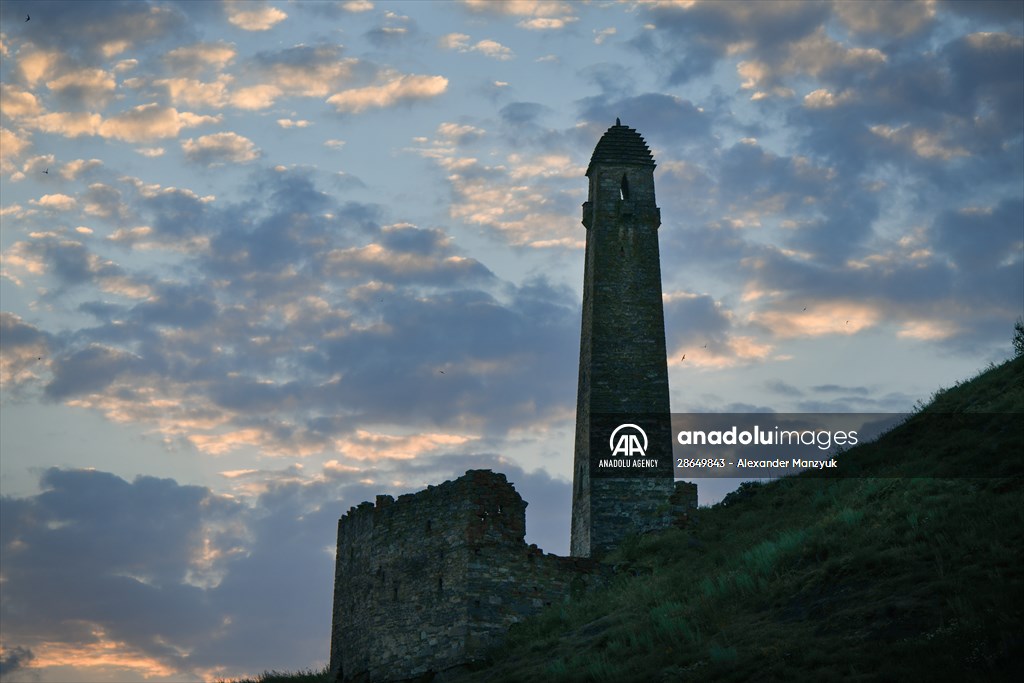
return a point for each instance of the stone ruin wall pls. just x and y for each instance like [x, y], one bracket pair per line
[433, 579]
[623, 507]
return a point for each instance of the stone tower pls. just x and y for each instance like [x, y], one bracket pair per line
[623, 376]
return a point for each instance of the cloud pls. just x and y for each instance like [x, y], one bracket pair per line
[396, 89]
[212, 565]
[73, 170]
[68, 124]
[12, 146]
[89, 371]
[14, 658]
[26, 352]
[220, 148]
[125, 65]
[540, 15]
[689, 39]
[827, 318]
[308, 70]
[527, 198]
[782, 388]
[18, 103]
[255, 97]
[708, 334]
[924, 143]
[291, 123]
[893, 20]
[357, 6]
[68, 260]
[982, 238]
[142, 123]
[192, 59]
[104, 201]
[102, 32]
[193, 93]
[55, 202]
[928, 330]
[546, 23]
[454, 41]
[522, 113]
[218, 444]
[250, 16]
[823, 99]
[303, 280]
[36, 65]
[377, 261]
[487, 47]
[820, 56]
[134, 544]
[91, 88]
[657, 115]
[396, 29]
[519, 202]
[694, 319]
[604, 34]
[150, 121]
[459, 133]
[493, 49]
[364, 445]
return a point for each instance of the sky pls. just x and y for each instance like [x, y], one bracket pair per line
[262, 261]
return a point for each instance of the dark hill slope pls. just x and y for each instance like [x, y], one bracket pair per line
[911, 570]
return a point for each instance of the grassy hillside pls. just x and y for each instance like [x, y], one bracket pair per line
[911, 570]
[867, 578]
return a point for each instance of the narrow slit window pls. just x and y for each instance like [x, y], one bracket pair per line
[624, 188]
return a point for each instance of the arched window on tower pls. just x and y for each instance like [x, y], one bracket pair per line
[624, 188]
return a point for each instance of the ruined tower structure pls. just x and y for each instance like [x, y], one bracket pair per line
[428, 582]
[623, 376]
[431, 580]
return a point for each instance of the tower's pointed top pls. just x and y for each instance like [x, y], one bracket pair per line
[617, 123]
[621, 145]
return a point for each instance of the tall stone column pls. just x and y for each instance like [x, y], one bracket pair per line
[623, 376]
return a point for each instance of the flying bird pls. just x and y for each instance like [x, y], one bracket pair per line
[441, 371]
[705, 346]
[27, 17]
[684, 357]
[805, 308]
[47, 171]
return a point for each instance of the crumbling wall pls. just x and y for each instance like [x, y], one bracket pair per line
[507, 584]
[433, 579]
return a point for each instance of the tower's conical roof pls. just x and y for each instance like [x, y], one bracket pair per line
[621, 145]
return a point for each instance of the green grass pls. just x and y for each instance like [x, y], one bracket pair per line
[910, 571]
[899, 573]
[307, 676]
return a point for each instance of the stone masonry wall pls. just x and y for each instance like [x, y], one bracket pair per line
[623, 364]
[433, 579]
